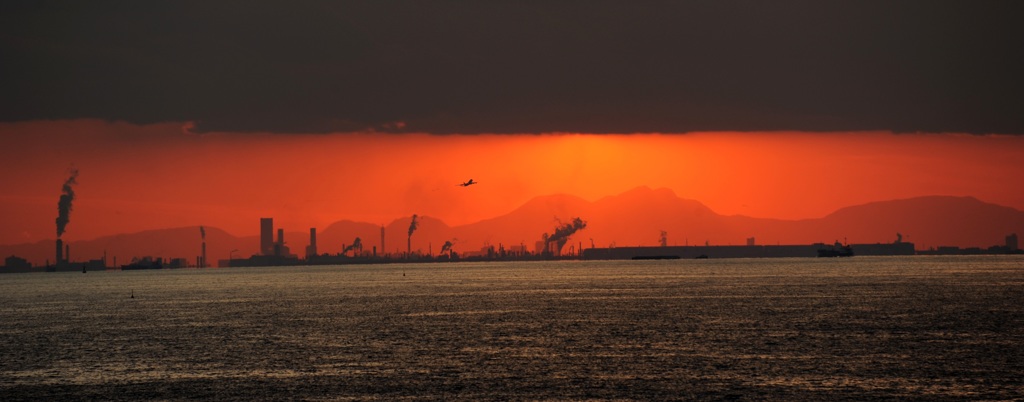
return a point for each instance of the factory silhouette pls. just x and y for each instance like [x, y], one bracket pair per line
[561, 242]
[274, 251]
[559, 245]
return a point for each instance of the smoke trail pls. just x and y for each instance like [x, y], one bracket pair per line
[357, 244]
[563, 232]
[202, 232]
[408, 240]
[446, 247]
[413, 225]
[64, 205]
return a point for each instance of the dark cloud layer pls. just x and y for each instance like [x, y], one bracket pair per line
[518, 66]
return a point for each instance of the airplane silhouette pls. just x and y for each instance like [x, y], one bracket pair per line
[468, 183]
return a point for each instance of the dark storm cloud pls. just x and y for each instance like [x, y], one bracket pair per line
[518, 66]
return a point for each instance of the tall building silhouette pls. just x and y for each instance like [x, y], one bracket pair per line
[267, 236]
[60, 252]
[279, 249]
[311, 248]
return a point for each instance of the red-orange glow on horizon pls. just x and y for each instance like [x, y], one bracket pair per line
[145, 177]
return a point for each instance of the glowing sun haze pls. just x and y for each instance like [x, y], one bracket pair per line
[138, 177]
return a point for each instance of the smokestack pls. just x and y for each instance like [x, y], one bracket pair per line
[382, 249]
[311, 250]
[412, 228]
[267, 236]
[562, 233]
[202, 259]
[64, 204]
[60, 252]
[279, 246]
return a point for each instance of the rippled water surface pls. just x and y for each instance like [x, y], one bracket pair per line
[857, 328]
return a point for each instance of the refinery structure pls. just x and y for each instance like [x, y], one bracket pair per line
[274, 250]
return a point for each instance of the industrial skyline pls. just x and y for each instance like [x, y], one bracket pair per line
[345, 239]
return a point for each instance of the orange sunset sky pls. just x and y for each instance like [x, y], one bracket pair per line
[135, 177]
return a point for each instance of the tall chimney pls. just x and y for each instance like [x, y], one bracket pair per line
[383, 250]
[279, 246]
[311, 250]
[60, 252]
[203, 261]
[267, 236]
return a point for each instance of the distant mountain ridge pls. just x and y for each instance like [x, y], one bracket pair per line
[635, 217]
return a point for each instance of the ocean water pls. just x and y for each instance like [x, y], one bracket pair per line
[858, 328]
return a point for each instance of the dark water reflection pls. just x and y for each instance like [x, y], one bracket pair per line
[859, 328]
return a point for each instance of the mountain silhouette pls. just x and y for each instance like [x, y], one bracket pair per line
[633, 218]
[931, 221]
